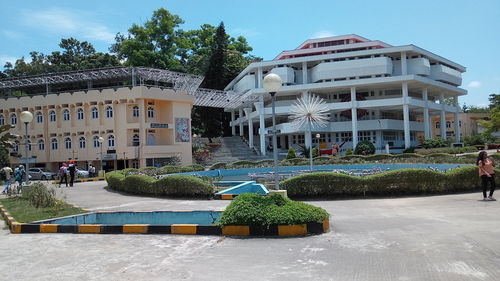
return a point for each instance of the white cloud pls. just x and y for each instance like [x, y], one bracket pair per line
[68, 22]
[474, 84]
[4, 59]
[245, 32]
[323, 33]
[11, 34]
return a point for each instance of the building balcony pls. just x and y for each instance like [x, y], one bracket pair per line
[351, 68]
[246, 83]
[446, 74]
[287, 74]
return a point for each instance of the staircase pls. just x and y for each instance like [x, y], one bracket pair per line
[234, 149]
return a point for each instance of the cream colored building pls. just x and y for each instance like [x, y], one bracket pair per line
[468, 125]
[141, 125]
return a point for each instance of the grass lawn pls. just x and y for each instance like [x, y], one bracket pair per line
[22, 211]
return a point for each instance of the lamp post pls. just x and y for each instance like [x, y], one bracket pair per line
[272, 84]
[100, 140]
[26, 117]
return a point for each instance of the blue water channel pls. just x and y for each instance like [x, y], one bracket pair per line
[152, 218]
[243, 173]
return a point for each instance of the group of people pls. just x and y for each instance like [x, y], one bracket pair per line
[67, 170]
[10, 176]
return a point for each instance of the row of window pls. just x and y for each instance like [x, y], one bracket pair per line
[448, 124]
[54, 144]
[79, 114]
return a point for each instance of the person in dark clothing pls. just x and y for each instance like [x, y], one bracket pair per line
[72, 171]
[63, 174]
[487, 173]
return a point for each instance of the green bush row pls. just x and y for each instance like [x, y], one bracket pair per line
[398, 182]
[450, 150]
[254, 209]
[172, 186]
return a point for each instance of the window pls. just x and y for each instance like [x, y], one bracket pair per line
[95, 141]
[364, 135]
[65, 115]
[39, 117]
[135, 140]
[111, 141]
[82, 143]
[438, 125]
[448, 124]
[52, 116]
[53, 144]
[41, 145]
[29, 145]
[135, 111]
[109, 112]
[67, 143]
[346, 136]
[16, 147]
[2, 120]
[13, 119]
[151, 112]
[95, 113]
[135, 164]
[79, 114]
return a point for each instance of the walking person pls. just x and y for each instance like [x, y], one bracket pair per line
[7, 171]
[72, 171]
[487, 173]
[63, 174]
[20, 175]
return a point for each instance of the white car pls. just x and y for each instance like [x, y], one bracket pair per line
[82, 173]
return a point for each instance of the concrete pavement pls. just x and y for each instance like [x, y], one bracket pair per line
[451, 237]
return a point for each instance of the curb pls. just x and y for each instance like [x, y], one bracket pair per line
[186, 229]
[81, 180]
[225, 196]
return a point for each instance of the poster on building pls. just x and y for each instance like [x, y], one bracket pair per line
[182, 130]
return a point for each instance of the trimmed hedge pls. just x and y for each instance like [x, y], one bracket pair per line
[398, 182]
[449, 150]
[254, 209]
[172, 186]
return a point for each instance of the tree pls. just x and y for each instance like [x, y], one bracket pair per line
[158, 43]
[494, 100]
[5, 143]
[474, 109]
[493, 124]
[210, 118]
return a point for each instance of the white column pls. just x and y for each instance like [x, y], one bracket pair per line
[304, 73]
[404, 66]
[443, 117]
[240, 118]
[427, 123]
[354, 113]
[458, 132]
[259, 77]
[406, 116]
[308, 139]
[262, 128]
[233, 127]
[250, 126]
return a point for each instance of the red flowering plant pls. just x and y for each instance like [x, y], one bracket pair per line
[201, 156]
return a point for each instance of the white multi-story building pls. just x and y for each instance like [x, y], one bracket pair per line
[375, 91]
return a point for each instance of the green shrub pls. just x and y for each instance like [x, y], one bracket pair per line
[40, 196]
[364, 148]
[450, 150]
[242, 163]
[407, 155]
[182, 186]
[438, 155]
[398, 182]
[315, 152]
[435, 142]
[291, 153]
[254, 209]
[410, 149]
[218, 165]
[348, 151]
[172, 186]
[294, 162]
[381, 156]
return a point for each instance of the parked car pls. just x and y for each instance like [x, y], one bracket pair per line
[41, 174]
[82, 173]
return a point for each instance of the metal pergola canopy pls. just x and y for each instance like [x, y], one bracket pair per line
[41, 84]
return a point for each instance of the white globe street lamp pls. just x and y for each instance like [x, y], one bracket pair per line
[272, 84]
[26, 118]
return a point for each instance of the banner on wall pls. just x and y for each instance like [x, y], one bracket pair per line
[182, 130]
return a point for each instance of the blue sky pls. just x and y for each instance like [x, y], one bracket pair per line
[467, 32]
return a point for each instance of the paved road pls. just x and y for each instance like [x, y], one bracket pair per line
[453, 237]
